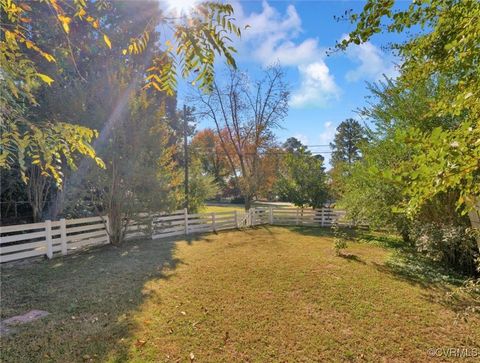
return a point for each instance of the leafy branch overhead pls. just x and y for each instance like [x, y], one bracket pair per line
[444, 51]
[197, 40]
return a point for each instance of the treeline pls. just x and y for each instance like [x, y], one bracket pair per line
[419, 166]
[88, 105]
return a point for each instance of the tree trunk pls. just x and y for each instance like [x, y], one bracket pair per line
[38, 187]
[116, 227]
[474, 216]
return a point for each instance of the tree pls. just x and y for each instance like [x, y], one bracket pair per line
[346, 150]
[444, 50]
[346, 144]
[245, 113]
[142, 175]
[206, 145]
[202, 186]
[373, 194]
[302, 180]
[197, 39]
[292, 144]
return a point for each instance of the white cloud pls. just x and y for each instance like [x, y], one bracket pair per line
[372, 63]
[328, 133]
[273, 38]
[302, 138]
[317, 86]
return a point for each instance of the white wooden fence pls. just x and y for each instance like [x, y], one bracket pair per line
[46, 238]
[65, 236]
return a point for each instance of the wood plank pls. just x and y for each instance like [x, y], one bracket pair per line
[96, 241]
[166, 230]
[22, 227]
[83, 220]
[21, 255]
[23, 247]
[168, 218]
[79, 237]
[88, 227]
[22, 237]
[165, 235]
[168, 223]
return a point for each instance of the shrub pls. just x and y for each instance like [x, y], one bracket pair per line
[340, 238]
[453, 246]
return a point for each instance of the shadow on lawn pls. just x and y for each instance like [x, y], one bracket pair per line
[89, 296]
[405, 264]
[352, 258]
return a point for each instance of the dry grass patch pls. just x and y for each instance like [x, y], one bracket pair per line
[267, 294]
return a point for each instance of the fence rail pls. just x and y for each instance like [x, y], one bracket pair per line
[51, 238]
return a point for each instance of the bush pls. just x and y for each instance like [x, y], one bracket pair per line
[238, 200]
[340, 238]
[453, 246]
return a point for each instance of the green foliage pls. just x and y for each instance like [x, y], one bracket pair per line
[49, 144]
[340, 238]
[346, 144]
[198, 39]
[201, 186]
[453, 246]
[441, 160]
[302, 180]
[444, 50]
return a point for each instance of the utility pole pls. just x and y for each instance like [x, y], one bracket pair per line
[185, 151]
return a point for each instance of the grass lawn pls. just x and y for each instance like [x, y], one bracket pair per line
[266, 294]
[239, 207]
[222, 208]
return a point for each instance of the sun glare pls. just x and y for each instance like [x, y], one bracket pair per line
[181, 7]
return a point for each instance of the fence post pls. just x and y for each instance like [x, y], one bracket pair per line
[322, 215]
[185, 213]
[63, 235]
[271, 215]
[235, 216]
[213, 222]
[107, 228]
[48, 230]
[296, 221]
[152, 226]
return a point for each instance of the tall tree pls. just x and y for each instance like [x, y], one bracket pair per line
[302, 180]
[197, 39]
[346, 144]
[292, 144]
[245, 113]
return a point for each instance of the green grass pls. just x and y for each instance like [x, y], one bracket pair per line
[223, 208]
[239, 207]
[267, 294]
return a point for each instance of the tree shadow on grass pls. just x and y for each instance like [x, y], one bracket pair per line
[310, 231]
[405, 264]
[90, 296]
[351, 258]
[439, 285]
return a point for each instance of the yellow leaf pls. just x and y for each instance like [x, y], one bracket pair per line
[65, 20]
[81, 13]
[107, 41]
[124, 52]
[45, 78]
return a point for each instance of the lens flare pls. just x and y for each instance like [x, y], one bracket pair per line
[181, 7]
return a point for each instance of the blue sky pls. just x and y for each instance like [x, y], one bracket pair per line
[324, 90]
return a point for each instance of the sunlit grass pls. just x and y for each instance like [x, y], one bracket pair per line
[266, 294]
[223, 208]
